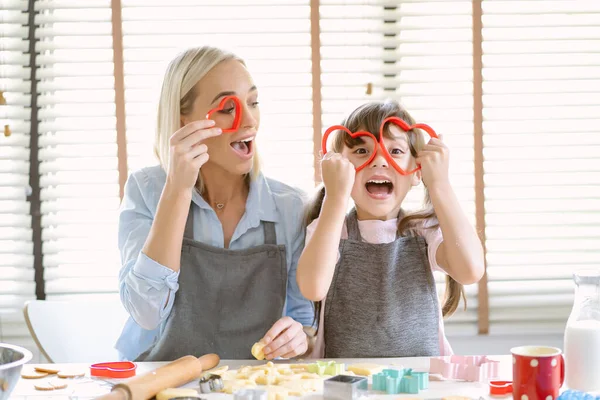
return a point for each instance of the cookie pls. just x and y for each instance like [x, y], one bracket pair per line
[52, 384]
[70, 373]
[30, 373]
[48, 369]
[45, 386]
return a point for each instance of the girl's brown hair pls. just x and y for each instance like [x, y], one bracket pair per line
[369, 117]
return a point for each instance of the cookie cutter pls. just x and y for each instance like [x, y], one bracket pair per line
[211, 383]
[250, 394]
[405, 127]
[353, 135]
[326, 368]
[572, 394]
[120, 369]
[468, 368]
[396, 381]
[345, 387]
[237, 119]
[500, 388]
[379, 145]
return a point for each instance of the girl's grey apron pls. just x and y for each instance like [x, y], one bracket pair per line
[382, 301]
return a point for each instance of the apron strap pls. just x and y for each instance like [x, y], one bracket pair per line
[269, 230]
[189, 224]
[352, 226]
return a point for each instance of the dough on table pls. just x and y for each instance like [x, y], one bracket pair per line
[301, 387]
[172, 393]
[365, 369]
[275, 392]
[217, 371]
[236, 384]
[283, 380]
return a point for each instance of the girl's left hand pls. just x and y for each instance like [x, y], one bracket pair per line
[285, 339]
[434, 160]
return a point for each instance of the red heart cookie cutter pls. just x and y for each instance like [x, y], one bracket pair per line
[405, 127]
[119, 369]
[238, 112]
[353, 135]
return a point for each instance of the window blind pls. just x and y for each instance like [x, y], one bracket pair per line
[273, 36]
[541, 109]
[17, 284]
[77, 148]
[420, 54]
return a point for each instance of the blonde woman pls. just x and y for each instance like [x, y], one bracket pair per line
[209, 246]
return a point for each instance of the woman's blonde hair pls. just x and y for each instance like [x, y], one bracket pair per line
[178, 93]
[369, 117]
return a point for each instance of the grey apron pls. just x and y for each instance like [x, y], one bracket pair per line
[227, 299]
[382, 301]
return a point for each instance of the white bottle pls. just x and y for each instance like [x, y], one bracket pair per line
[582, 334]
[582, 355]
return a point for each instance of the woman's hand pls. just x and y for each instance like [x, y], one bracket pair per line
[286, 339]
[188, 154]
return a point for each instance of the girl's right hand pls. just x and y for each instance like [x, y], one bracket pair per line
[188, 153]
[338, 175]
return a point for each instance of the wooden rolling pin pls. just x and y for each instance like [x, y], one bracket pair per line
[171, 375]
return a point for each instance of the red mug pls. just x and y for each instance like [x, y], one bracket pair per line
[538, 372]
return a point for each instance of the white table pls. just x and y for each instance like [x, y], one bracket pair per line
[88, 388]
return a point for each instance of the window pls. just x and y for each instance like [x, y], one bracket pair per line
[79, 179]
[17, 283]
[541, 108]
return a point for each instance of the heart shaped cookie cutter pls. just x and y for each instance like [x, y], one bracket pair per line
[237, 119]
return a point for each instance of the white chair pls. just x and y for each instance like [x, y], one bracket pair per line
[76, 331]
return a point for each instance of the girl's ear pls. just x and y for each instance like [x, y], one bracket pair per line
[416, 178]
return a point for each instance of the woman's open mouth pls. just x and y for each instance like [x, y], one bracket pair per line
[243, 148]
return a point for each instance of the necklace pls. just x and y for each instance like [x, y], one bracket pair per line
[220, 206]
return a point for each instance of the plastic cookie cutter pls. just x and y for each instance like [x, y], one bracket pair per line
[327, 368]
[468, 368]
[211, 383]
[396, 381]
[120, 369]
[353, 135]
[379, 144]
[399, 122]
[500, 388]
[237, 119]
[250, 394]
[571, 394]
[345, 387]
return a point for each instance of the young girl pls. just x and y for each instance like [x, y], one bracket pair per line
[370, 271]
